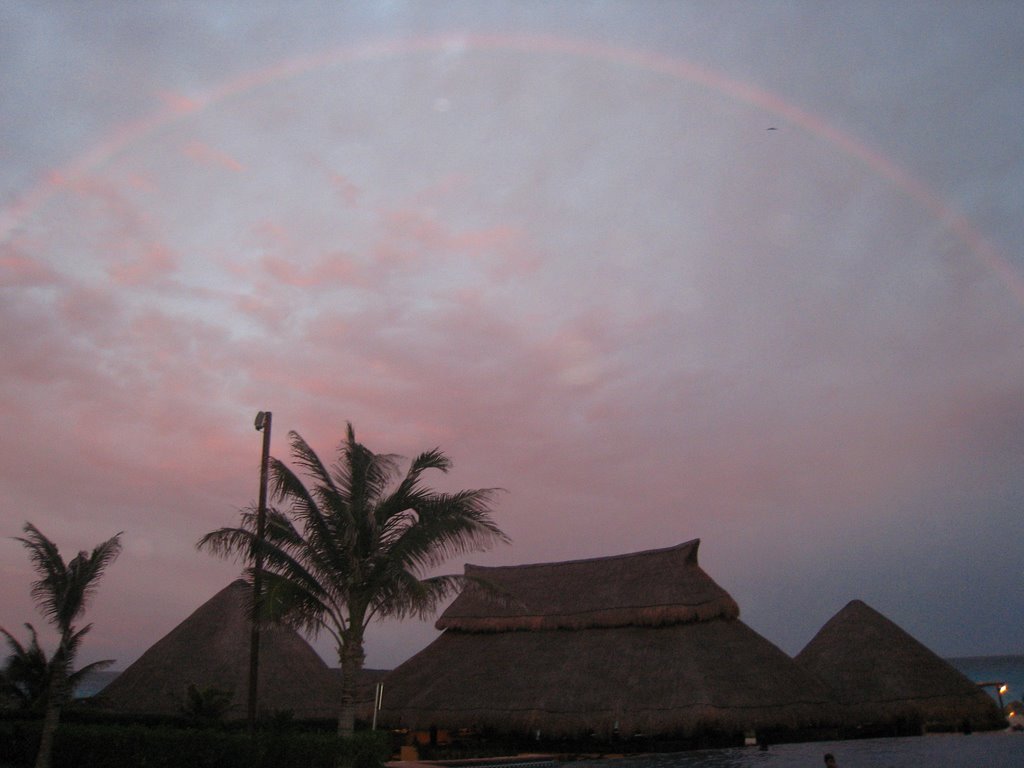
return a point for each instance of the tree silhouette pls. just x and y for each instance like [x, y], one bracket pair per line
[355, 544]
[61, 593]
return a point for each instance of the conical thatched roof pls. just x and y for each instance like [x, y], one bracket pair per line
[643, 642]
[878, 673]
[210, 649]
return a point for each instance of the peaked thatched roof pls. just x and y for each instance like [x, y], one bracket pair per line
[642, 642]
[210, 649]
[652, 588]
[878, 673]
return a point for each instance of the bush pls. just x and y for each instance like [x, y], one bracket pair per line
[135, 746]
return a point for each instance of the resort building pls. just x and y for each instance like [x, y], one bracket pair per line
[882, 677]
[210, 650]
[638, 643]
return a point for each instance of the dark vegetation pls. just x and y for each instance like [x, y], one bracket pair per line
[61, 593]
[91, 740]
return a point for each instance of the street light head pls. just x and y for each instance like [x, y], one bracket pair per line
[261, 420]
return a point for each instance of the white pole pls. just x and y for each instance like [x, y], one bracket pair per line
[378, 698]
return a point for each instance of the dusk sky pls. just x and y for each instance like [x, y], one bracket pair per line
[749, 272]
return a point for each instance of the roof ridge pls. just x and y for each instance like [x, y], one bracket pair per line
[695, 543]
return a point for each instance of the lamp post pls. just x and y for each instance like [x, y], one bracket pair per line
[262, 425]
[1001, 688]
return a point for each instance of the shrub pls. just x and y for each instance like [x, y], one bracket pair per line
[135, 746]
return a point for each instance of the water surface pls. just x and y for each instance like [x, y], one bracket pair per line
[1000, 749]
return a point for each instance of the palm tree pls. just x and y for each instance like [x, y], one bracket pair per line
[25, 677]
[61, 593]
[355, 545]
[26, 672]
[206, 706]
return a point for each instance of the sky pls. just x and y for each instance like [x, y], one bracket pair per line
[748, 272]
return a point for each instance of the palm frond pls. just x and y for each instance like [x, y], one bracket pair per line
[404, 595]
[228, 542]
[448, 525]
[366, 474]
[17, 649]
[47, 591]
[84, 571]
[409, 493]
[308, 460]
[63, 590]
[321, 513]
[361, 477]
[301, 604]
[25, 675]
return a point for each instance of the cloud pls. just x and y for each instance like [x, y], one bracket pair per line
[19, 270]
[209, 156]
[155, 262]
[328, 269]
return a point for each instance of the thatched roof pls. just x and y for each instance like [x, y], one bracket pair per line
[878, 673]
[653, 588]
[210, 649]
[665, 653]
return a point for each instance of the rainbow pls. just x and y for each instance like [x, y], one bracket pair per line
[178, 107]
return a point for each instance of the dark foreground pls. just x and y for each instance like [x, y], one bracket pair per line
[994, 749]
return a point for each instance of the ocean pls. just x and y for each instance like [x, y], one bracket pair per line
[94, 683]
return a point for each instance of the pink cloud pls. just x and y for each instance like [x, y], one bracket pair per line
[270, 232]
[391, 255]
[18, 270]
[139, 182]
[179, 103]
[417, 227]
[452, 182]
[267, 312]
[329, 269]
[90, 312]
[346, 189]
[410, 233]
[206, 155]
[155, 262]
[491, 238]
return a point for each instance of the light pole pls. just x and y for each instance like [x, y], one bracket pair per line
[1001, 688]
[262, 425]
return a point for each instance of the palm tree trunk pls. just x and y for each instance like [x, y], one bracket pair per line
[352, 658]
[54, 699]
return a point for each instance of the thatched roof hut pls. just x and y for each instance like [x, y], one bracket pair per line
[879, 674]
[210, 649]
[642, 642]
